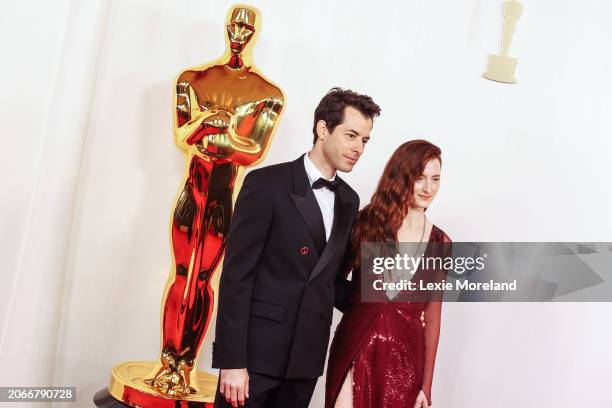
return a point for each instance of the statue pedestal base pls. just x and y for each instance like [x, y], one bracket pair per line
[103, 399]
[501, 69]
[128, 389]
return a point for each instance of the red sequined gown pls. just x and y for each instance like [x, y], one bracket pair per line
[391, 353]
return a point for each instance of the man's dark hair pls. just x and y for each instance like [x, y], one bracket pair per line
[331, 108]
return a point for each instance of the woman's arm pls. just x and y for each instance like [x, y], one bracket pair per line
[433, 312]
[432, 334]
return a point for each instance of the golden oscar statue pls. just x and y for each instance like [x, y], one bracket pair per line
[225, 113]
[502, 67]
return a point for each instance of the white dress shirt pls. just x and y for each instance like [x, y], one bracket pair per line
[325, 197]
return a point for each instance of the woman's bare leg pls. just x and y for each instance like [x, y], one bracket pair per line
[345, 397]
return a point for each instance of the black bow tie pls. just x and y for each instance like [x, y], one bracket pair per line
[331, 185]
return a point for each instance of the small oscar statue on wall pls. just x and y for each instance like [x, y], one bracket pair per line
[225, 113]
[502, 67]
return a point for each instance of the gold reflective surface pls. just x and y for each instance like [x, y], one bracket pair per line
[225, 113]
[127, 384]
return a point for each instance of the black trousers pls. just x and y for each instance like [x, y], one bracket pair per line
[273, 392]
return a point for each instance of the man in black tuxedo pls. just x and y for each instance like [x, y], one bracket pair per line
[287, 237]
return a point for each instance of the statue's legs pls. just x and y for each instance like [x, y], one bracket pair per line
[199, 227]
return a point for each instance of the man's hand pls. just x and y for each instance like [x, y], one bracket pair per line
[234, 385]
[423, 318]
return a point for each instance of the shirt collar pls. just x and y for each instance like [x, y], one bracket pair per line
[312, 172]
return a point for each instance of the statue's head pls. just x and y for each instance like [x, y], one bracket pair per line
[240, 28]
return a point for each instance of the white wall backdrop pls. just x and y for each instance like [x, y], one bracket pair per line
[89, 170]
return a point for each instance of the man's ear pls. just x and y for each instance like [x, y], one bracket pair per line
[322, 132]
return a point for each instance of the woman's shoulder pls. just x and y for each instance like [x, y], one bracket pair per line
[438, 235]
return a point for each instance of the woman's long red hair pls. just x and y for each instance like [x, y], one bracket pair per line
[380, 220]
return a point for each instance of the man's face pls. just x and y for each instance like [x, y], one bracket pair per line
[343, 147]
[239, 35]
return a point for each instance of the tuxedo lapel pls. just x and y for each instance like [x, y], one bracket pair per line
[343, 208]
[305, 201]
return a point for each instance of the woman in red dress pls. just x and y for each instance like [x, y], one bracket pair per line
[382, 354]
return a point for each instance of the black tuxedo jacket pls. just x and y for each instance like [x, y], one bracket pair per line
[277, 287]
